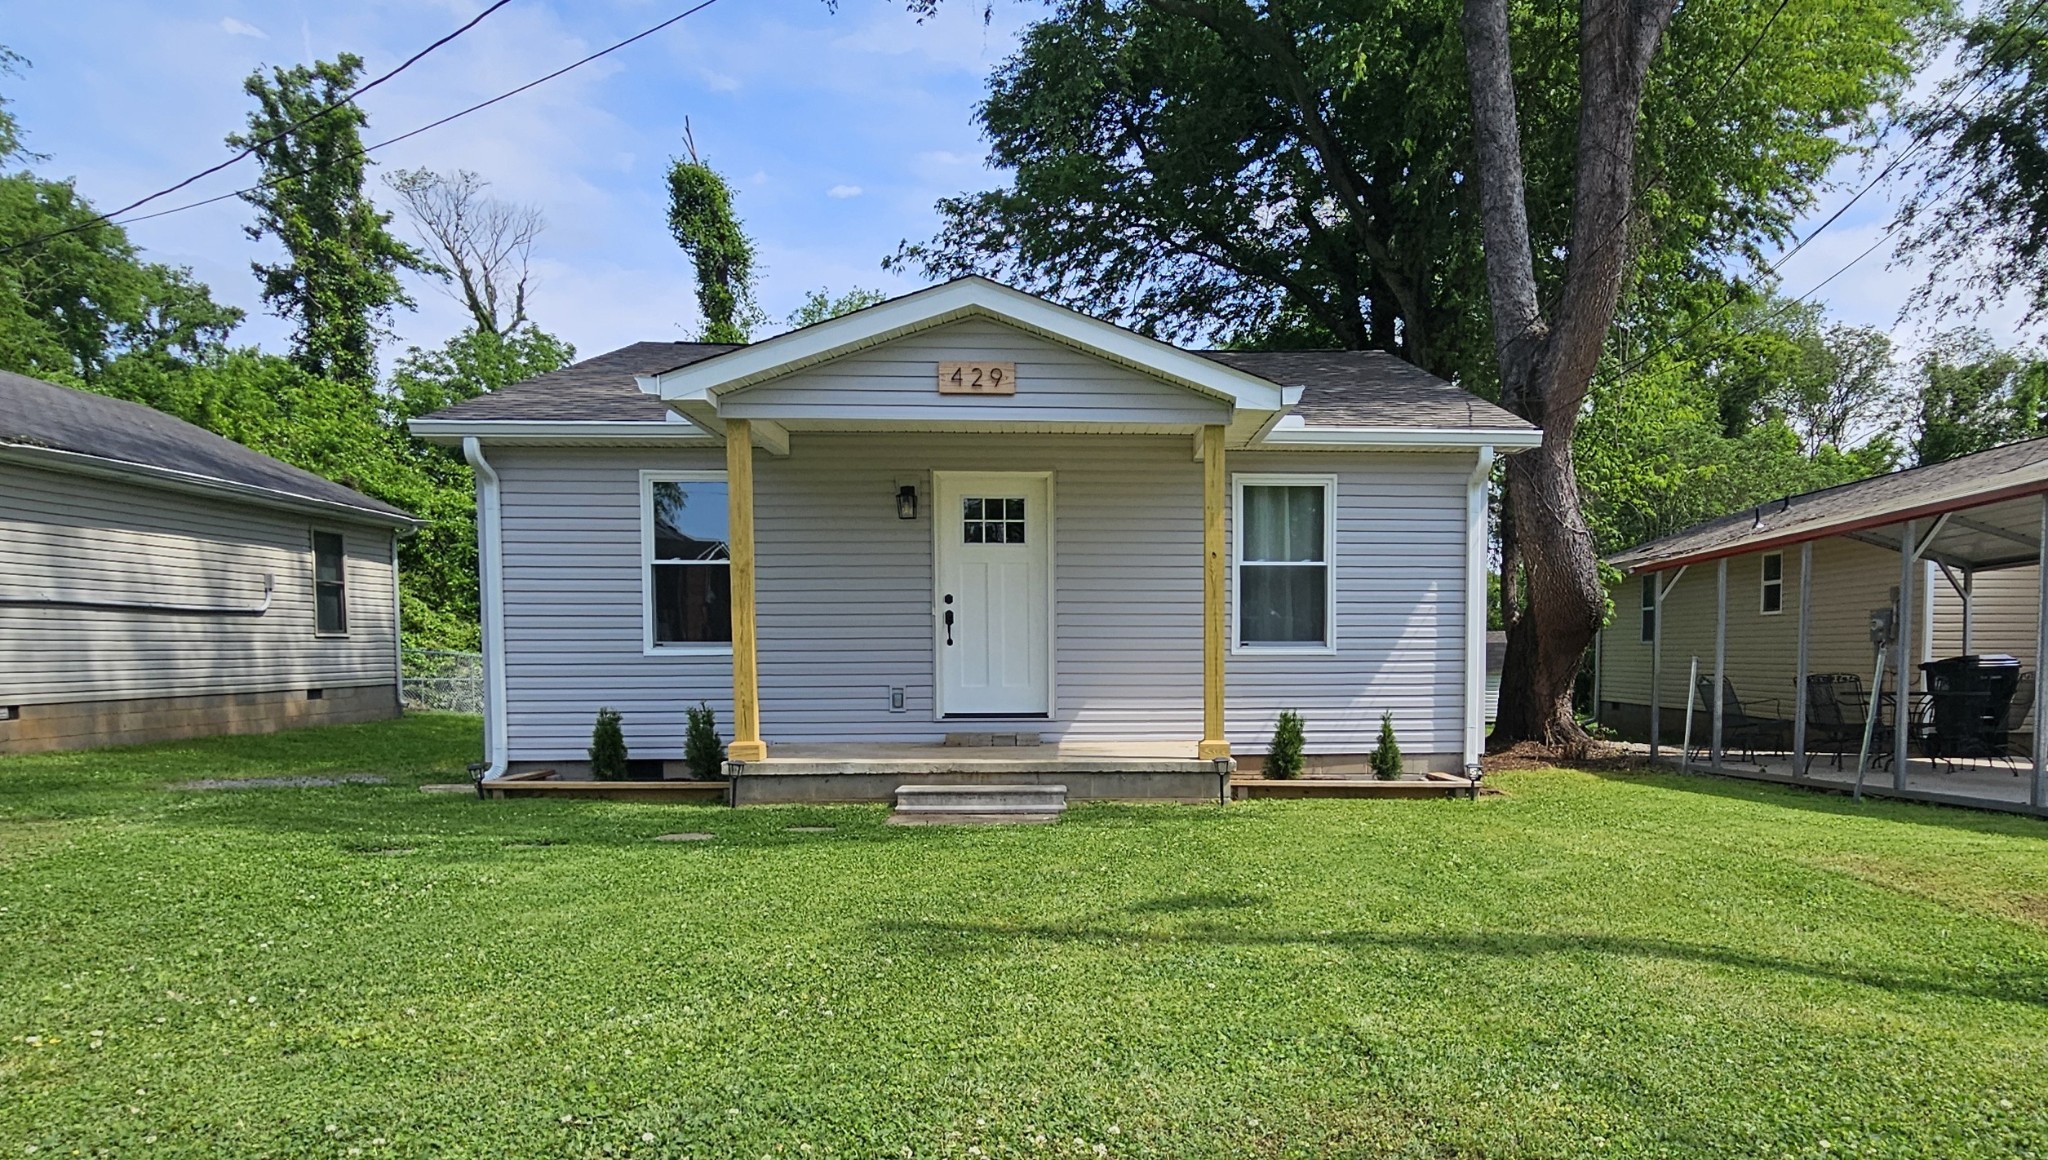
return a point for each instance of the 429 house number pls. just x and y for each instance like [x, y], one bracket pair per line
[977, 378]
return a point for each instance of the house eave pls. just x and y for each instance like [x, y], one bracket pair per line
[558, 433]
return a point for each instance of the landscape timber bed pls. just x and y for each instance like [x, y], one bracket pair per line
[1430, 785]
[542, 783]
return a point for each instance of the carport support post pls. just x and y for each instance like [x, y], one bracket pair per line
[1215, 493]
[1799, 680]
[746, 692]
[2037, 796]
[1720, 653]
[1656, 582]
[1902, 688]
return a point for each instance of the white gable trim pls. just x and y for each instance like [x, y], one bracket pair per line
[950, 302]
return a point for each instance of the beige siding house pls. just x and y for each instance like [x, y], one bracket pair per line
[969, 514]
[157, 581]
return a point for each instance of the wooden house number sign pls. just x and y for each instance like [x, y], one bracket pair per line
[977, 378]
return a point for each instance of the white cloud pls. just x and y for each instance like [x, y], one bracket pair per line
[234, 27]
[842, 192]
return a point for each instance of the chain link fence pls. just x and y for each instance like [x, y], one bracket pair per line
[443, 682]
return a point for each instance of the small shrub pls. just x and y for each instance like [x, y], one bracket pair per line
[703, 752]
[1283, 756]
[1386, 756]
[608, 747]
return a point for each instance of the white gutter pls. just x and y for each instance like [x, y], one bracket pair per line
[1475, 606]
[677, 429]
[1290, 433]
[491, 568]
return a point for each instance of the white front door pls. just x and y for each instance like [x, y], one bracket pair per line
[992, 601]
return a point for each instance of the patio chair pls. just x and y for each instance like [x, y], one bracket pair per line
[1746, 726]
[1835, 704]
[2012, 738]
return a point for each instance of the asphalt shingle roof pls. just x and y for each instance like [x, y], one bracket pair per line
[34, 413]
[1341, 388]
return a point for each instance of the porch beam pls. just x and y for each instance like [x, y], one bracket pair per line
[1215, 494]
[1902, 689]
[1986, 528]
[746, 693]
[1799, 692]
[1720, 655]
[2037, 794]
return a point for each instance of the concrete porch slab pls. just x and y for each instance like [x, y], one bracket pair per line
[1139, 771]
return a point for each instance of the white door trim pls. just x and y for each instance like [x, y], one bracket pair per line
[940, 528]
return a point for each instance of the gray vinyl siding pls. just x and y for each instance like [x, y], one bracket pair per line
[898, 382]
[845, 596]
[82, 538]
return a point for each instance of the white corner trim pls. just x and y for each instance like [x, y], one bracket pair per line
[948, 302]
[1328, 482]
[542, 431]
[491, 559]
[1475, 605]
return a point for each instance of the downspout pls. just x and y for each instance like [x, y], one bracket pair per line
[491, 582]
[397, 628]
[1475, 607]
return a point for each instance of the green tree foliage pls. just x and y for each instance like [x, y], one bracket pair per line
[608, 747]
[1385, 759]
[1296, 175]
[471, 363]
[1284, 753]
[820, 305]
[339, 282]
[1974, 396]
[1978, 216]
[701, 215]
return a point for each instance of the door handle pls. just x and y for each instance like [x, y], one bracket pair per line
[949, 626]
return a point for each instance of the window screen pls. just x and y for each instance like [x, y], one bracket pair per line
[689, 568]
[1283, 575]
[330, 583]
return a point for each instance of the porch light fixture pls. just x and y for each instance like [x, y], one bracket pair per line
[906, 502]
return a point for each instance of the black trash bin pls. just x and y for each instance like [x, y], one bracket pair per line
[1970, 696]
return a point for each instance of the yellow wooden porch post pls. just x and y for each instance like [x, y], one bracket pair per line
[746, 692]
[1215, 492]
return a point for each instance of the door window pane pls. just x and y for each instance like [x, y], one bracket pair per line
[992, 520]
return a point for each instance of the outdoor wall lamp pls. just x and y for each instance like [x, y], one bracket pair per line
[906, 502]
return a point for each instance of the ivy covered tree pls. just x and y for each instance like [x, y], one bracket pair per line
[706, 226]
[1974, 396]
[339, 281]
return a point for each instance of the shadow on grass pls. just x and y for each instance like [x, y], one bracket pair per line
[1828, 801]
[943, 938]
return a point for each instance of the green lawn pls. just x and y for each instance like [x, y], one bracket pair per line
[1613, 966]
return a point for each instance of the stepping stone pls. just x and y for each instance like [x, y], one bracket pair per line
[449, 787]
[684, 837]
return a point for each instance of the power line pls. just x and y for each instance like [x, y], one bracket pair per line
[348, 98]
[485, 104]
[1919, 141]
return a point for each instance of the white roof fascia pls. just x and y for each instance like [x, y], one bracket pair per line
[453, 431]
[1506, 441]
[949, 302]
[192, 483]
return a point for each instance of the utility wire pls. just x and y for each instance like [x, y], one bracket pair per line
[485, 104]
[348, 98]
[1919, 141]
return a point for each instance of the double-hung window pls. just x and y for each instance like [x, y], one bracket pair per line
[1283, 591]
[1771, 601]
[330, 584]
[687, 568]
[1651, 581]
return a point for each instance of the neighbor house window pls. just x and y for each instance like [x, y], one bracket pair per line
[688, 570]
[1283, 590]
[1773, 598]
[1650, 583]
[330, 584]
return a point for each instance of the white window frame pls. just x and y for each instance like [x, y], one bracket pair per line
[313, 555]
[645, 498]
[1764, 585]
[1238, 482]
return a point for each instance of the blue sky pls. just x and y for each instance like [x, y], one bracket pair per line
[840, 128]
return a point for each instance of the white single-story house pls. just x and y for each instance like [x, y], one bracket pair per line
[971, 516]
[159, 582]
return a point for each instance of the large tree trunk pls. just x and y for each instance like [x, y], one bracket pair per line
[1546, 367]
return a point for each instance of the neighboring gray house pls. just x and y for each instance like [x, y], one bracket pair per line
[158, 581]
[969, 514]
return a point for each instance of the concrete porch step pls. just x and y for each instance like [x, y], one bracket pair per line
[978, 804]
